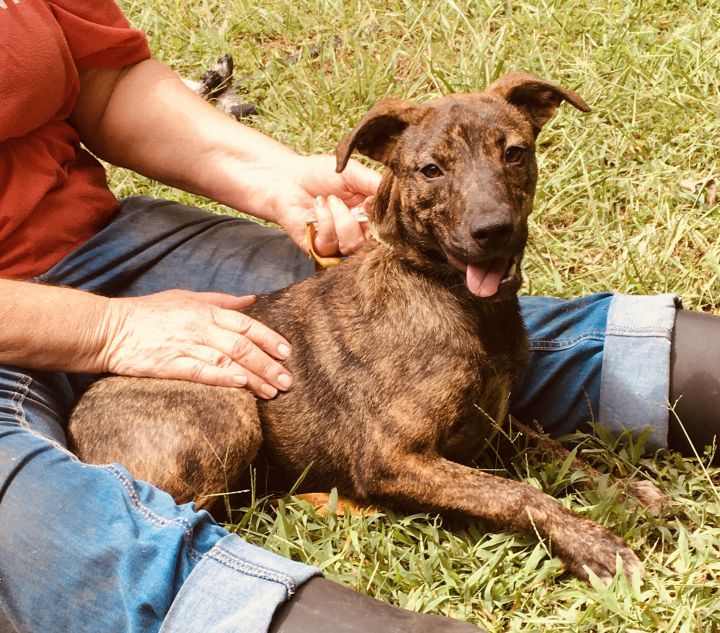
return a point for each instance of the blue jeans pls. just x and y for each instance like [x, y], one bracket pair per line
[87, 548]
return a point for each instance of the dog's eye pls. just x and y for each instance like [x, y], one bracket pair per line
[514, 154]
[431, 171]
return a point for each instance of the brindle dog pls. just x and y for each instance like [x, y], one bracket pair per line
[405, 355]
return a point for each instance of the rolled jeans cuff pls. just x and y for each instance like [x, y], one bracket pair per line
[635, 380]
[235, 588]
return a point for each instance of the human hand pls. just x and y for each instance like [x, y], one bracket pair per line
[138, 118]
[194, 336]
[315, 191]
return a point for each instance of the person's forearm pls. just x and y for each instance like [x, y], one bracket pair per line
[152, 123]
[50, 328]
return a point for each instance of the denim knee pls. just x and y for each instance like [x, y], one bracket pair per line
[604, 357]
[561, 386]
[155, 245]
[88, 548]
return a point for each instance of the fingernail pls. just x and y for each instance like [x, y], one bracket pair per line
[284, 380]
[240, 380]
[268, 391]
[283, 350]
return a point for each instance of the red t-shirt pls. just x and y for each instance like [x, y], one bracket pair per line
[53, 194]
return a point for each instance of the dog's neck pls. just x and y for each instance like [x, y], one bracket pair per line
[394, 246]
[396, 270]
[375, 233]
[385, 213]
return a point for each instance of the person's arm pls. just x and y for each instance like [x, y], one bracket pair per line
[176, 334]
[145, 118]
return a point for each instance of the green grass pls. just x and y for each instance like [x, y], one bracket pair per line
[626, 202]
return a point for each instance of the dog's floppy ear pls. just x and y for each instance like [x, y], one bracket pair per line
[376, 135]
[536, 97]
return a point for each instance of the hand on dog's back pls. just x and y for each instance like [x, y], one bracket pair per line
[202, 337]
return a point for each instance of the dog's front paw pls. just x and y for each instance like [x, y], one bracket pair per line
[587, 545]
[648, 495]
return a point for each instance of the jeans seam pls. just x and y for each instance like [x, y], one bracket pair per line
[644, 331]
[18, 400]
[194, 554]
[555, 344]
[53, 442]
[151, 516]
[231, 560]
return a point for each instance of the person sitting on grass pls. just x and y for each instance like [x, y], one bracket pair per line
[148, 287]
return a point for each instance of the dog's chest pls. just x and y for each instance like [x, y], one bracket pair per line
[484, 414]
[401, 366]
[486, 357]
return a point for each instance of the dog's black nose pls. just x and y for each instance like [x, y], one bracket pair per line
[492, 233]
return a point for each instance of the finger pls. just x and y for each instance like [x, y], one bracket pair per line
[349, 233]
[366, 206]
[326, 242]
[222, 300]
[361, 179]
[261, 388]
[243, 302]
[261, 335]
[211, 367]
[365, 227]
[254, 361]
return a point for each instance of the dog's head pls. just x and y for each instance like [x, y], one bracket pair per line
[461, 176]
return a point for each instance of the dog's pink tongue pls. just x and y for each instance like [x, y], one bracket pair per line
[483, 280]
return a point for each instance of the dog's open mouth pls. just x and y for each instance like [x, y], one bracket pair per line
[485, 279]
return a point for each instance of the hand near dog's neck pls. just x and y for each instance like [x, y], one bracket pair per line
[384, 211]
